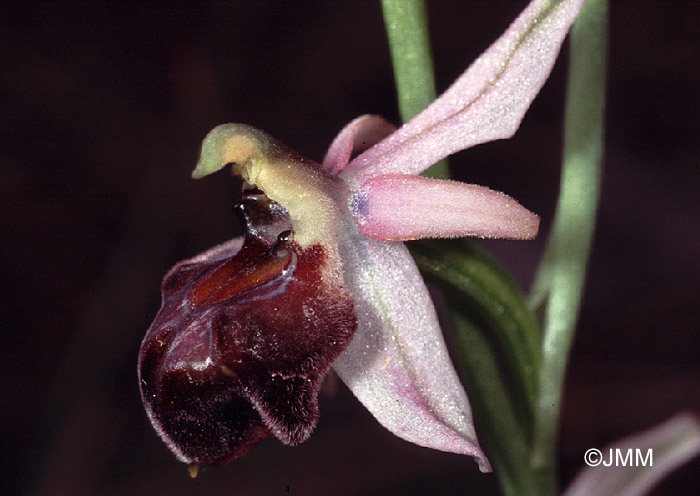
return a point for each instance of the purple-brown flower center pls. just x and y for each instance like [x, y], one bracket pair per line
[242, 341]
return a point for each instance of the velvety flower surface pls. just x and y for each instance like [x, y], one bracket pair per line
[247, 330]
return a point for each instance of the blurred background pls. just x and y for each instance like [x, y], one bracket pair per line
[104, 105]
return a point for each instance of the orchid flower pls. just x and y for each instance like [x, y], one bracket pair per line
[248, 329]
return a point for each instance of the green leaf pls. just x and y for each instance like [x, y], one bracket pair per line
[499, 429]
[462, 268]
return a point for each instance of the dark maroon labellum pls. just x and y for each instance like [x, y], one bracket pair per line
[242, 341]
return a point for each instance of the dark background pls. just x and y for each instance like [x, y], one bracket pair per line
[103, 109]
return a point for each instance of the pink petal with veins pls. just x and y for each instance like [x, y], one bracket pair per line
[358, 136]
[398, 207]
[486, 103]
[397, 364]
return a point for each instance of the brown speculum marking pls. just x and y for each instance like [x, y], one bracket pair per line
[243, 339]
[255, 265]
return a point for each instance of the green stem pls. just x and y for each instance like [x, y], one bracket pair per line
[559, 283]
[407, 29]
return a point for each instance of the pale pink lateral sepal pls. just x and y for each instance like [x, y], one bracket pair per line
[486, 103]
[653, 454]
[397, 363]
[361, 134]
[399, 207]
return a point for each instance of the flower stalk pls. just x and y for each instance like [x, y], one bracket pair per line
[559, 283]
[406, 25]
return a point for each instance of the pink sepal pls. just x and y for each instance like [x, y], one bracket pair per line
[634, 465]
[397, 363]
[487, 102]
